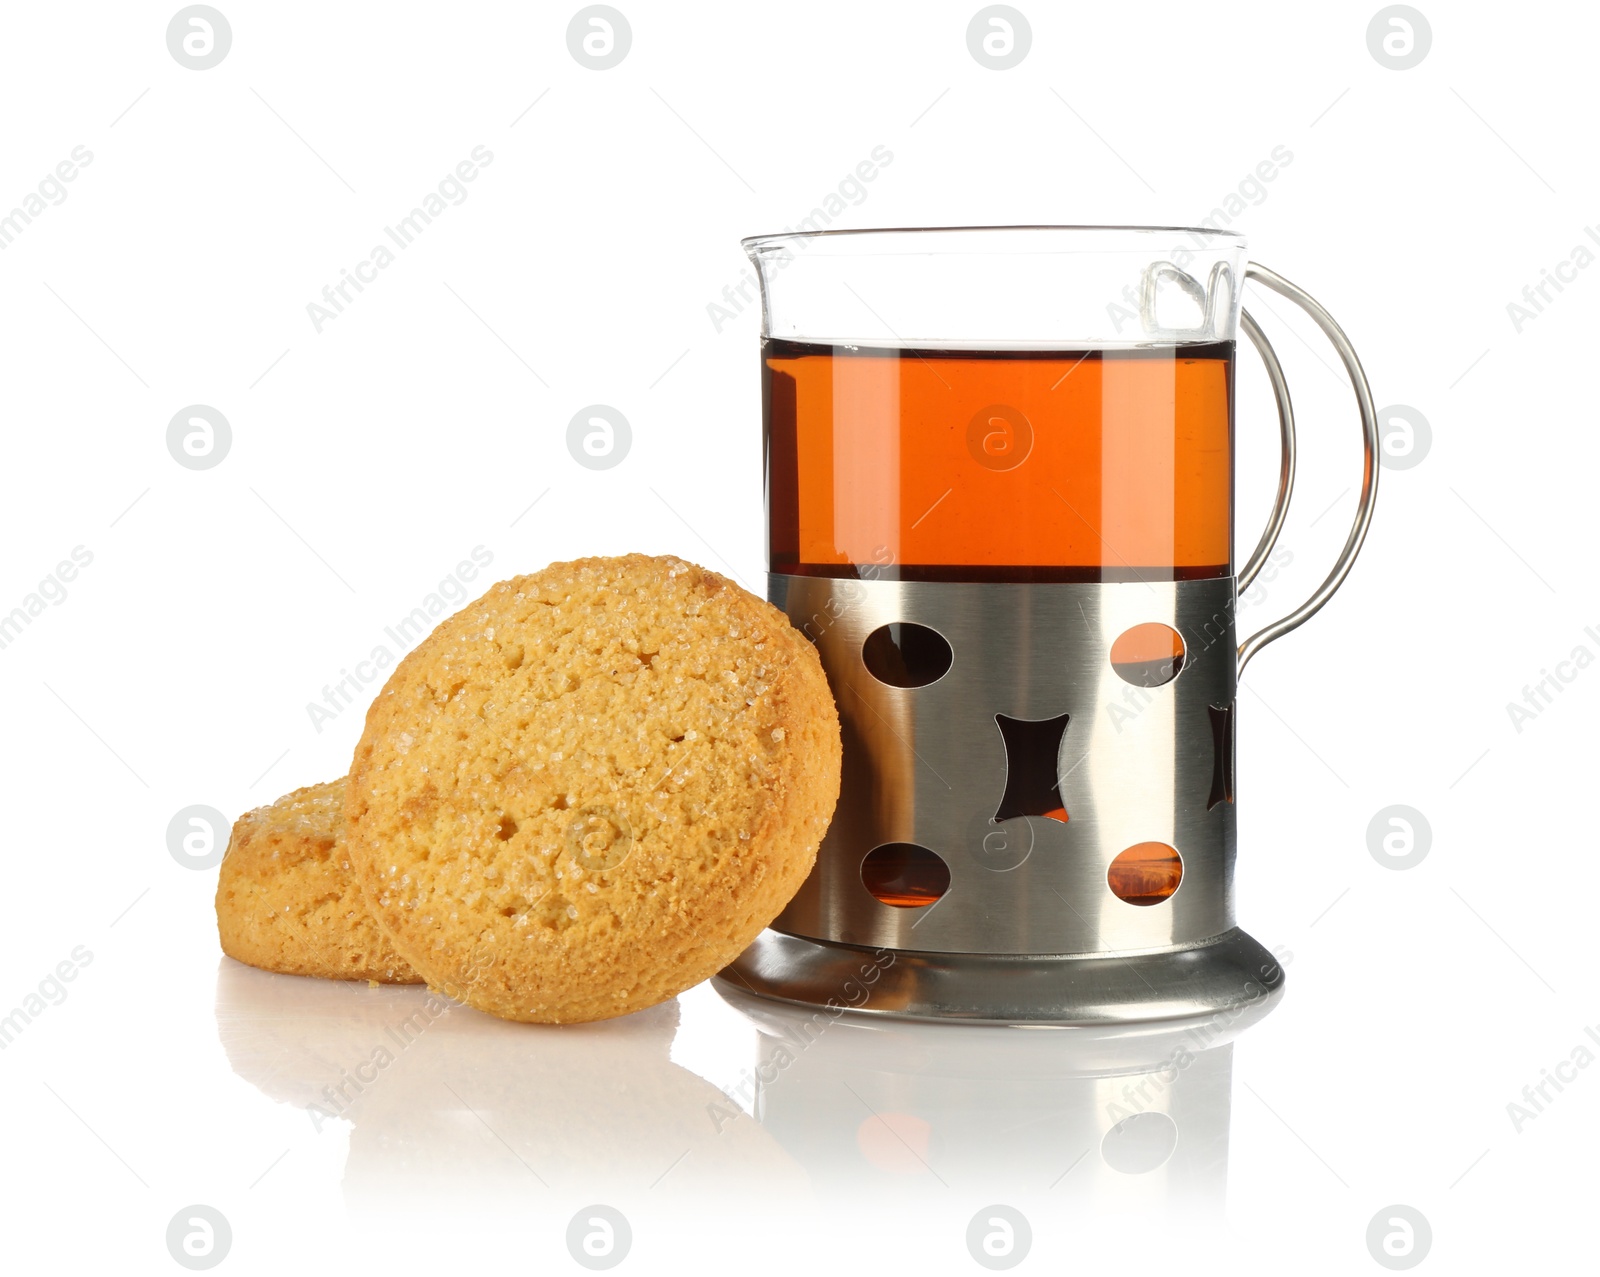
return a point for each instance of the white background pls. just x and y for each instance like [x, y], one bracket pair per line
[369, 458]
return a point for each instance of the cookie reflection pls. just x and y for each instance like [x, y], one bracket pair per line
[444, 1104]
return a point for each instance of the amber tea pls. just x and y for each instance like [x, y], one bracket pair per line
[999, 465]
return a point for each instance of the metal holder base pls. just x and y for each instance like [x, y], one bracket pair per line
[1229, 975]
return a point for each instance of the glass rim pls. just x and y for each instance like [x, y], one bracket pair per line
[1202, 235]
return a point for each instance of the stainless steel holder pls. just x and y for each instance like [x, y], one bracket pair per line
[1029, 930]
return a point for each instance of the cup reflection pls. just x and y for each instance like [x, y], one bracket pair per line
[1133, 1116]
[444, 1105]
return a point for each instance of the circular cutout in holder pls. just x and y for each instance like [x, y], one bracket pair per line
[1139, 1144]
[905, 654]
[1146, 873]
[905, 875]
[1148, 655]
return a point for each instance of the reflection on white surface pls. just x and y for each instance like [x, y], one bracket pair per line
[1134, 1116]
[445, 1105]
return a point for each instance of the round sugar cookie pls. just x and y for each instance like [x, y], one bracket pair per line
[591, 788]
[287, 900]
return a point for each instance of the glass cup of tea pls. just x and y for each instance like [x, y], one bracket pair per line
[999, 481]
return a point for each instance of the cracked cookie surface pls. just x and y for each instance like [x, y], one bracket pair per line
[591, 788]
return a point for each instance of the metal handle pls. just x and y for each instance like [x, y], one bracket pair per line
[1369, 476]
[1280, 506]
